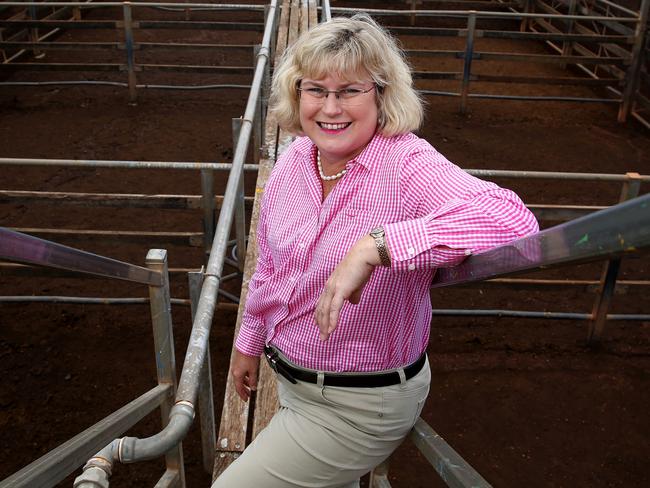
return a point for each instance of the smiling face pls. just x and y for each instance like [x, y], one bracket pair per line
[340, 128]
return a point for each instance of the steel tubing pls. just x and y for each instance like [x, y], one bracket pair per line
[485, 14]
[617, 230]
[209, 6]
[24, 248]
[196, 351]
[103, 163]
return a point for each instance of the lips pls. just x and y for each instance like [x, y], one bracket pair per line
[328, 126]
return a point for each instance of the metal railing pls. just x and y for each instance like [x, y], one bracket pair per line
[623, 67]
[54, 466]
[606, 234]
[127, 26]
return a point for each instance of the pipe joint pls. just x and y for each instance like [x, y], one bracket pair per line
[132, 449]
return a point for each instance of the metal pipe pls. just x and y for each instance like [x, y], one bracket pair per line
[326, 12]
[102, 163]
[133, 449]
[467, 62]
[195, 356]
[84, 300]
[614, 231]
[24, 248]
[484, 14]
[130, 57]
[254, 167]
[125, 85]
[207, 6]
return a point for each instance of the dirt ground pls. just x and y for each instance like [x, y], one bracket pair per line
[525, 402]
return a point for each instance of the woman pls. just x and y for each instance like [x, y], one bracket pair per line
[356, 217]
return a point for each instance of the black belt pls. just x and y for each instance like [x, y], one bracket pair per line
[359, 380]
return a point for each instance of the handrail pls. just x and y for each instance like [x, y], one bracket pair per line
[182, 414]
[620, 229]
[59, 462]
[15, 246]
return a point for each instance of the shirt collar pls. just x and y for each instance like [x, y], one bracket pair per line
[368, 158]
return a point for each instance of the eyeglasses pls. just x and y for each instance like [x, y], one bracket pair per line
[344, 95]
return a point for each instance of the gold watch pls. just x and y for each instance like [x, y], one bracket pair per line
[379, 236]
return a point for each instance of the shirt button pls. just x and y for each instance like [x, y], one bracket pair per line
[468, 252]
[301, 245]
[411, 251]
[411, 267]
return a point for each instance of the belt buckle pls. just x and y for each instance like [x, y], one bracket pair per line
[272, 358]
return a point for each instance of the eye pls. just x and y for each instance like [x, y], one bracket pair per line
[350, 92]
[315, 91]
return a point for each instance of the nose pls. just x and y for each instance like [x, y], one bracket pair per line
[331, 104]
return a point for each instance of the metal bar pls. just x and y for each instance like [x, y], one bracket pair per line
[326, 13]
[467, 64]
[207, 202]
[54, 466]
[240, 209]
[379, 476]
[623, 228]
[15, 246]
[206, 404]
[84, 300]
[130, 56]
[116, 200]
[169, 479]
[194, 239]
[520, 97]
[452, 468]
[567, 46]
[93, 5]
[188, 384]
[482, 14]
[632, 74]
[116, 83]
[163, 334]
[629, 191]
[99, 163]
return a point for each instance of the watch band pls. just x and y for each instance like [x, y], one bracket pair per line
[379, 236]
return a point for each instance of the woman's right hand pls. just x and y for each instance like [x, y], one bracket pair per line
[244, 372]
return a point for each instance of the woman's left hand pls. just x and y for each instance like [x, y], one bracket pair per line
[346, 283]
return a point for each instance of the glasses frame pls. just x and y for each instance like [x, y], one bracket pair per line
[337, 93]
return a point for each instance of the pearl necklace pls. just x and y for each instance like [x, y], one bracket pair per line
[323, 175]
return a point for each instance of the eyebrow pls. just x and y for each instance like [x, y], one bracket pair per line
[344, 85]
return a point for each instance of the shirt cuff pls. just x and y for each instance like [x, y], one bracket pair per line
[406, 240]
[252, 336]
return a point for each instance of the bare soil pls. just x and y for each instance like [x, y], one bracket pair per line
[526, 402]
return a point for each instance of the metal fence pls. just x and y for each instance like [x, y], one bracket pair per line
[60, 462]
[603, 40]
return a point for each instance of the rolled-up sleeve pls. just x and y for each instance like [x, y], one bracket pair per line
[252, 332]
[450, 215]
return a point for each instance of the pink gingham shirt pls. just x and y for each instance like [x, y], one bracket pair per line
[434, 215]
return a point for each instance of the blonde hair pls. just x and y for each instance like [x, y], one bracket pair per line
[349, 46]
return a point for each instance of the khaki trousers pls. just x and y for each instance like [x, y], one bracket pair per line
[328, 437]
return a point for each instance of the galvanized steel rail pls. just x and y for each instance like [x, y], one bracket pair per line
[24, 248]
